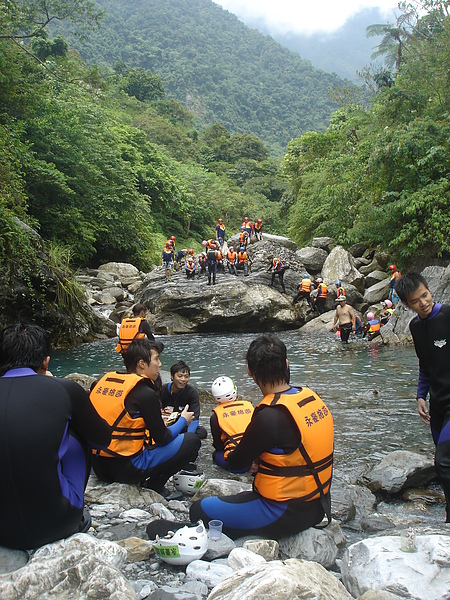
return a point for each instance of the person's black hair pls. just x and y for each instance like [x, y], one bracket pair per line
[138, 308]
[266, 360]
[140, 350]
[408, 284]
[180, 365]
[23, 346]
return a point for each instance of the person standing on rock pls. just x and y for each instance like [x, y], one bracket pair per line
[231, 261]
[212, 258]
[288, 445]
[258, 229]
[135, 328]
[322, 295]
[167, 258]
[344, 318]
[47, 426]
[220, 232]
[430, 331]
[142, 449]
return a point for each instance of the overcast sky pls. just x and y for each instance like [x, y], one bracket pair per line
[303, 16]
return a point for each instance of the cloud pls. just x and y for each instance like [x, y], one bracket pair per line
[302, 16]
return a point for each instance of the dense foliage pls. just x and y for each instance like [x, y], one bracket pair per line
[216, 66]
[382, 175]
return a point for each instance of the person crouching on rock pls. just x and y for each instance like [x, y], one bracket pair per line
[277, 268]
[229, 419]
[190, 268]
[143, 450]
[288, 444]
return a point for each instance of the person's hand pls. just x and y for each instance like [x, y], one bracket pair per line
[189, 416]
[422, 407]
[254, 467]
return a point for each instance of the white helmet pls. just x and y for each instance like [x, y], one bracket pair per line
[183, 546]
[188, 482]
[223, 389]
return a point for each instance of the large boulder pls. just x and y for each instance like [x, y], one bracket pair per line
[326, 243]
[379, 563]
[377, 292]
[399, 470]
[312, 258]
[121, 270]
[285, 580]
[339, 266]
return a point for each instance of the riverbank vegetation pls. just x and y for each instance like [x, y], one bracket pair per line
[382, 174]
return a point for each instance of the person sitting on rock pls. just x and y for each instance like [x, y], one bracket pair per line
[135, 328]
[143, 450]
[277, 268]
[387, 313]
[190, 268]
[167, 258]
[289, 446]
[229, 420]
[304, 291]
[231, 261]
[47, 429]
[344, 318]
[372, 327]
[242, 261]
[258, 229]
[180, 393]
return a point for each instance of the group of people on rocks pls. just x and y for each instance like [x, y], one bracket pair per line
[216, 254]
[134, 430]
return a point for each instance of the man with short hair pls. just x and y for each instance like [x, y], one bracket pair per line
[289, 443]
[136, 327]
[142, 449]
[47, 426]
[344, 318]
[180, 393]
[430, 331]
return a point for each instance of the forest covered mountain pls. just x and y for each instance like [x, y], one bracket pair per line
[216, 66]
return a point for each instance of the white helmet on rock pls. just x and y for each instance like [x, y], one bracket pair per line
[183, 546]
[224, 390]
[188, 482]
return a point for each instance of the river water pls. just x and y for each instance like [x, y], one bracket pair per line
[369, 389]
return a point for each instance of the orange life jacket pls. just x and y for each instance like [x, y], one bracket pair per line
[231, 257]
[322, 289]
[242, 257]
[306, 472]
[243, 238]
[129, 331]
[190, 265]
[340, 292]
[306, 285]
[233, 418]
[374, 326]
[108, 398]
[277, 264]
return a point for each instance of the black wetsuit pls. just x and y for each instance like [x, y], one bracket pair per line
[170, 452]
[211, 258]
[45, 426]
[188, 395]
[249, 513]
[432, 343]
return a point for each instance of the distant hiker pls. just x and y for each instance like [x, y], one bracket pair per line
[231, 261]
[167, 258]
[277, 268]
[135, 328]
[344, 319]
[242, 261]
[258, 229]
[372, 327]
[244, 238]
[395, 276]
[387, 313]
[304, 291]
[248, 227]
[180, 254]
[220, 232]
[212, 257]
[322, 294]
[203, 263]
[190, 268]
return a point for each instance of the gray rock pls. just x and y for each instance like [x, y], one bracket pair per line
[84, 380]
[378, 563]
[360, 261]
[116, 292]
[268, 549]
[379, 595]
[241, 557]
[219, 548]
[103, 298]
[357, 250]
[211, 574]
[377, 292]
[312, 258]
[317, 545]
[370, 268]
[339, 266]
[221, 487]
[326, 243]
[123, 270]
[11, 560]
[400, 470]
[120, 495]
[137, 549]
[375, 277]
[78, 567]
[285, 580]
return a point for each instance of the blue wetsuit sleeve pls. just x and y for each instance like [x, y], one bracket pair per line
[423, 385]
[193, 426]
[177, 427]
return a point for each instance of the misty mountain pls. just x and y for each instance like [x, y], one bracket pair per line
[343, 52]
[219, 68]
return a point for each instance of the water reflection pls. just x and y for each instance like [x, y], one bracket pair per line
[369, 389]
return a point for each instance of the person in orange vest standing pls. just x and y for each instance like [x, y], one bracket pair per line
[288, 445]
[229, 420]
[395, 276]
